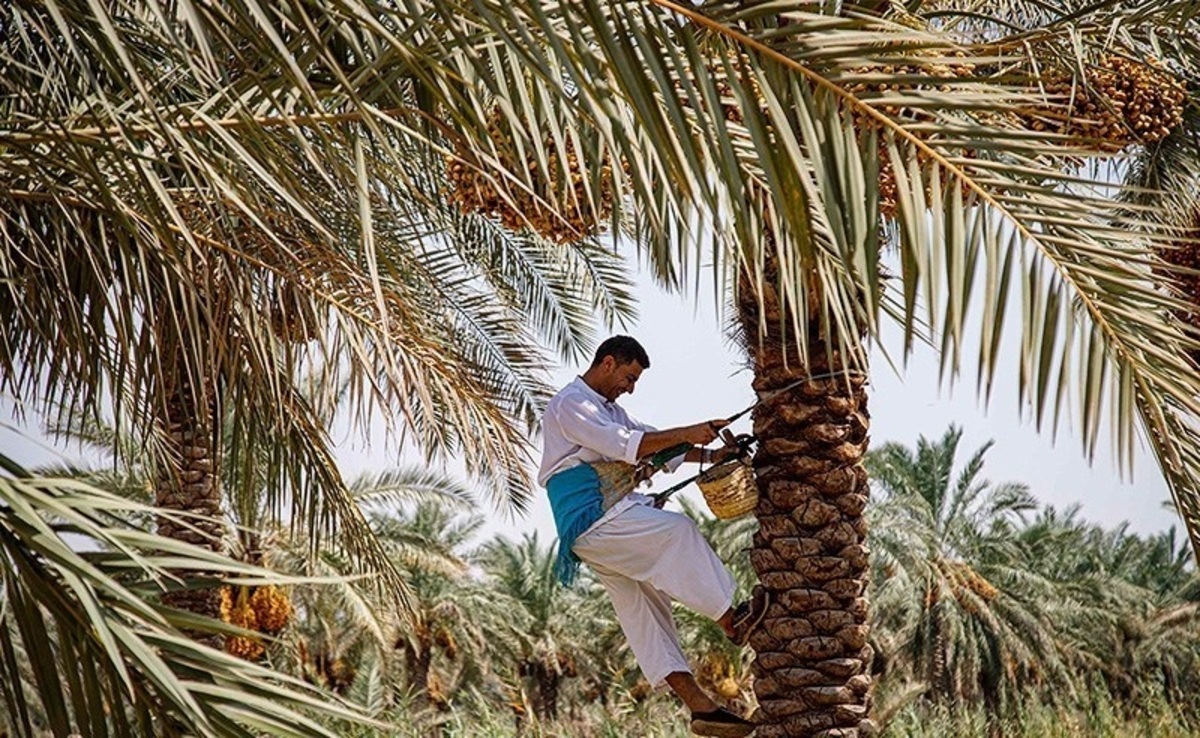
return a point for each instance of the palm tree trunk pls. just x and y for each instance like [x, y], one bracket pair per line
[812, 670]
[548, 679]
[190, 483]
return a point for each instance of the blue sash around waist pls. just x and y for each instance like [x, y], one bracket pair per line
[576, 502]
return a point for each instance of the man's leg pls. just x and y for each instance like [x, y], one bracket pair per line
[630, 554]
[643, 611]
[666, 551]
[645, 617]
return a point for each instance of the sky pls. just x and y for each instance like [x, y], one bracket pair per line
[696, 375]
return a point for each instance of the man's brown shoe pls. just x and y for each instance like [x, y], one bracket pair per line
[721, 723]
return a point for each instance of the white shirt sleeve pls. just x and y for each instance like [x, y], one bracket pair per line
[582, 423]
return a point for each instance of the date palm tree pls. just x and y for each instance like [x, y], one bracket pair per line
[461, 628]
[183, 277]
[773, 147]
[347, 634]
[975, 624]
[986, 199]
[548, 620]
[1132, 610]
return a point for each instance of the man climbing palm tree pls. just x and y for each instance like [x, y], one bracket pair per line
[645, 557]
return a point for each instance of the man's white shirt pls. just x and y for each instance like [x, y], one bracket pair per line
[580, 426]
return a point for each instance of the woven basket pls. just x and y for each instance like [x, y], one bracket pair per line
[617, 479]
[729, 489]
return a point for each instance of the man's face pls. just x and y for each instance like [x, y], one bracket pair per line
[622, 377]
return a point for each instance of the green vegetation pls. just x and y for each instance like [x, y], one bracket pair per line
[224, 224]
[993, 616]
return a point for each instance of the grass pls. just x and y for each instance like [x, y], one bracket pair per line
[1094, 716]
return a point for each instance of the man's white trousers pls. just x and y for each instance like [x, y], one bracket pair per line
[646, 557]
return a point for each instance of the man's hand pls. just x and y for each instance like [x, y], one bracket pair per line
[726, 452]
[702, 434]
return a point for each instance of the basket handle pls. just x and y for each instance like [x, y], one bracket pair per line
[730, 440]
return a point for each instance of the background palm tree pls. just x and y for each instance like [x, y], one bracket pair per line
[1131, 615]
[459, 626]
[549, 622]
[981, 605]
[348, 635]
[975, 624]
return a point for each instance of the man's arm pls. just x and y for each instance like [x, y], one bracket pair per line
[711, 455]
[581, 424]
[700, 434]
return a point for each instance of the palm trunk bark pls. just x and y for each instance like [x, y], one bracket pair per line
[419, 661]
[548, 680]
[190, 483]
[812, 669]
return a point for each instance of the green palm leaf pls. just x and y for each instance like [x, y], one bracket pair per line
[969, 619]
[624, 75]
[186, 194]
[86, 651]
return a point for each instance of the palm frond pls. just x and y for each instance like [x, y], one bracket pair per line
[176, 202]
[984, 204]
[101, 658]
[411, 484]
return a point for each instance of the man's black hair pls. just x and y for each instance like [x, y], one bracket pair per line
[624, 349]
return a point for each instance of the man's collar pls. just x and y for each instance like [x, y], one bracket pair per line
[587, 388]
